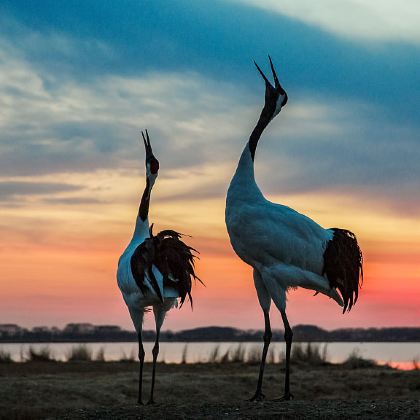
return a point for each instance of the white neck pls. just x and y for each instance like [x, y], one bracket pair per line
[243, 186]
[141, 229]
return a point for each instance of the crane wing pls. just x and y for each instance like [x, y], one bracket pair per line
[268, 233]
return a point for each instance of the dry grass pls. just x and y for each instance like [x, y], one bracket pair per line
[44, 354]
[234, 354]
[5, 356]
[303, 354]
[254, 354]
[356, 361]
[80, 353]
[184, 354]
[214, 356]
[237, 354]
[100, 355]
[128, 358]
[310, 353]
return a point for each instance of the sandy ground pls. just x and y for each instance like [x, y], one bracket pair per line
[98, 390]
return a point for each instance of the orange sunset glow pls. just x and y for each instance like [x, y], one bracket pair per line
[60, 260]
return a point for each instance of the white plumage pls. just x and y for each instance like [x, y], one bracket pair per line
[285, 248]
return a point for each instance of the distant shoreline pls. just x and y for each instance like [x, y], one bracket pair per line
[88, 333]
[199, 341]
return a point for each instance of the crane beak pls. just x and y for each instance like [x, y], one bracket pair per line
[267, 83]
[276, 80]
[147, 145]
[277, 86]
[150, 158]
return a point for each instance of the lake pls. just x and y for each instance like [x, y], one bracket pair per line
[399, 355]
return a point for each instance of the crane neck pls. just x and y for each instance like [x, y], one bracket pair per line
[141, 229]
[145, 200]
[243, 185]
[257, 131]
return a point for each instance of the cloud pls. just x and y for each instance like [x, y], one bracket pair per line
[14, 189]
[75, 201]
[348, 150]
[377, 21]
[71, 127]
[54, 124]
[86, 41]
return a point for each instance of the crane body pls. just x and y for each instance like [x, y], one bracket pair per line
[285, 248]
[292, 259]
[154, 271]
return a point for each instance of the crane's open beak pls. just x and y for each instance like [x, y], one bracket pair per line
[150, 158]
[147, 145]
[277, 86]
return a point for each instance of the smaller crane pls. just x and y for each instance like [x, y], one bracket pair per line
[154, 271]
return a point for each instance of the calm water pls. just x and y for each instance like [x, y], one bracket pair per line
[397, 354]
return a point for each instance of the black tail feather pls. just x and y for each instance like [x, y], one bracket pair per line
[154, 283]
[173, 258]
[343, 265]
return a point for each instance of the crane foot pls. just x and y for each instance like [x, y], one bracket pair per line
[259, 396]
[286, 397]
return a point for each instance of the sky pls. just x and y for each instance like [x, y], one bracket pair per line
[80, 79]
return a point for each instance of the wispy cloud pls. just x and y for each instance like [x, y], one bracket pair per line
[197, 124]
[71, 127]
[14, 189]
[383, 21]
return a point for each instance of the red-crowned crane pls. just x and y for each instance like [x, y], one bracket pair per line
[153, 271]
[285, 248]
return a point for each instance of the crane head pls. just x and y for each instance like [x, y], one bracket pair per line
[152, 164]
[275, 96]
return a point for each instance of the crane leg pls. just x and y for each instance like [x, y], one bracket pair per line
[259, 396]
[155, 353]
[141, 359]
[288, 336]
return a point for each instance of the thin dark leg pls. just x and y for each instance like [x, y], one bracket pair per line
[288, 336]
[155, 353]
[141, 359]
[259, 396]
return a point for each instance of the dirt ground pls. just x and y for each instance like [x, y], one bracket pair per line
[99, 390]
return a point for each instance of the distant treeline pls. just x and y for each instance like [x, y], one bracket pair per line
[85, 332]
